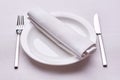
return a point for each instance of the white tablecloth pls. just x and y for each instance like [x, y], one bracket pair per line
[89, 69]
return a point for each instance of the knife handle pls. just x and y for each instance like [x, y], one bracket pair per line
[102, 49]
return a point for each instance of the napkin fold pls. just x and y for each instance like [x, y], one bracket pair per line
[60, 33]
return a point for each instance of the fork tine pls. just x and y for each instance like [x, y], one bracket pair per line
[18, 20]
[22, 20]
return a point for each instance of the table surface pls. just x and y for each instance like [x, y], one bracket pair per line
[91, 68]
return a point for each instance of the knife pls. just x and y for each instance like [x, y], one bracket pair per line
[99, 34]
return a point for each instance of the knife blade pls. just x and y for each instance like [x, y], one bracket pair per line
[99, 34]
[97, 24]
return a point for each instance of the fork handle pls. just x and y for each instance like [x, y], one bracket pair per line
[17, 52]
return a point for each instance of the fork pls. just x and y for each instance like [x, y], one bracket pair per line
[19, 29]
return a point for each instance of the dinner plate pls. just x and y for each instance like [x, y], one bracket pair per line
[42, 50]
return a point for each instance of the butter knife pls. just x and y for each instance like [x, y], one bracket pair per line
[99, 35]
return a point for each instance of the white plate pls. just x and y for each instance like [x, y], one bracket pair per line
[41, 49]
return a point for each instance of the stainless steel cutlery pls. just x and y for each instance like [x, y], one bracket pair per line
[19, 29]
[99, 34]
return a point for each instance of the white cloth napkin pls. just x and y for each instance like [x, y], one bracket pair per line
[64, 36]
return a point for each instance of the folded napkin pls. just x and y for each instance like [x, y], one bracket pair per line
[60, 33]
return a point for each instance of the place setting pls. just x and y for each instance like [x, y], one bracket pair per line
[58, 38]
